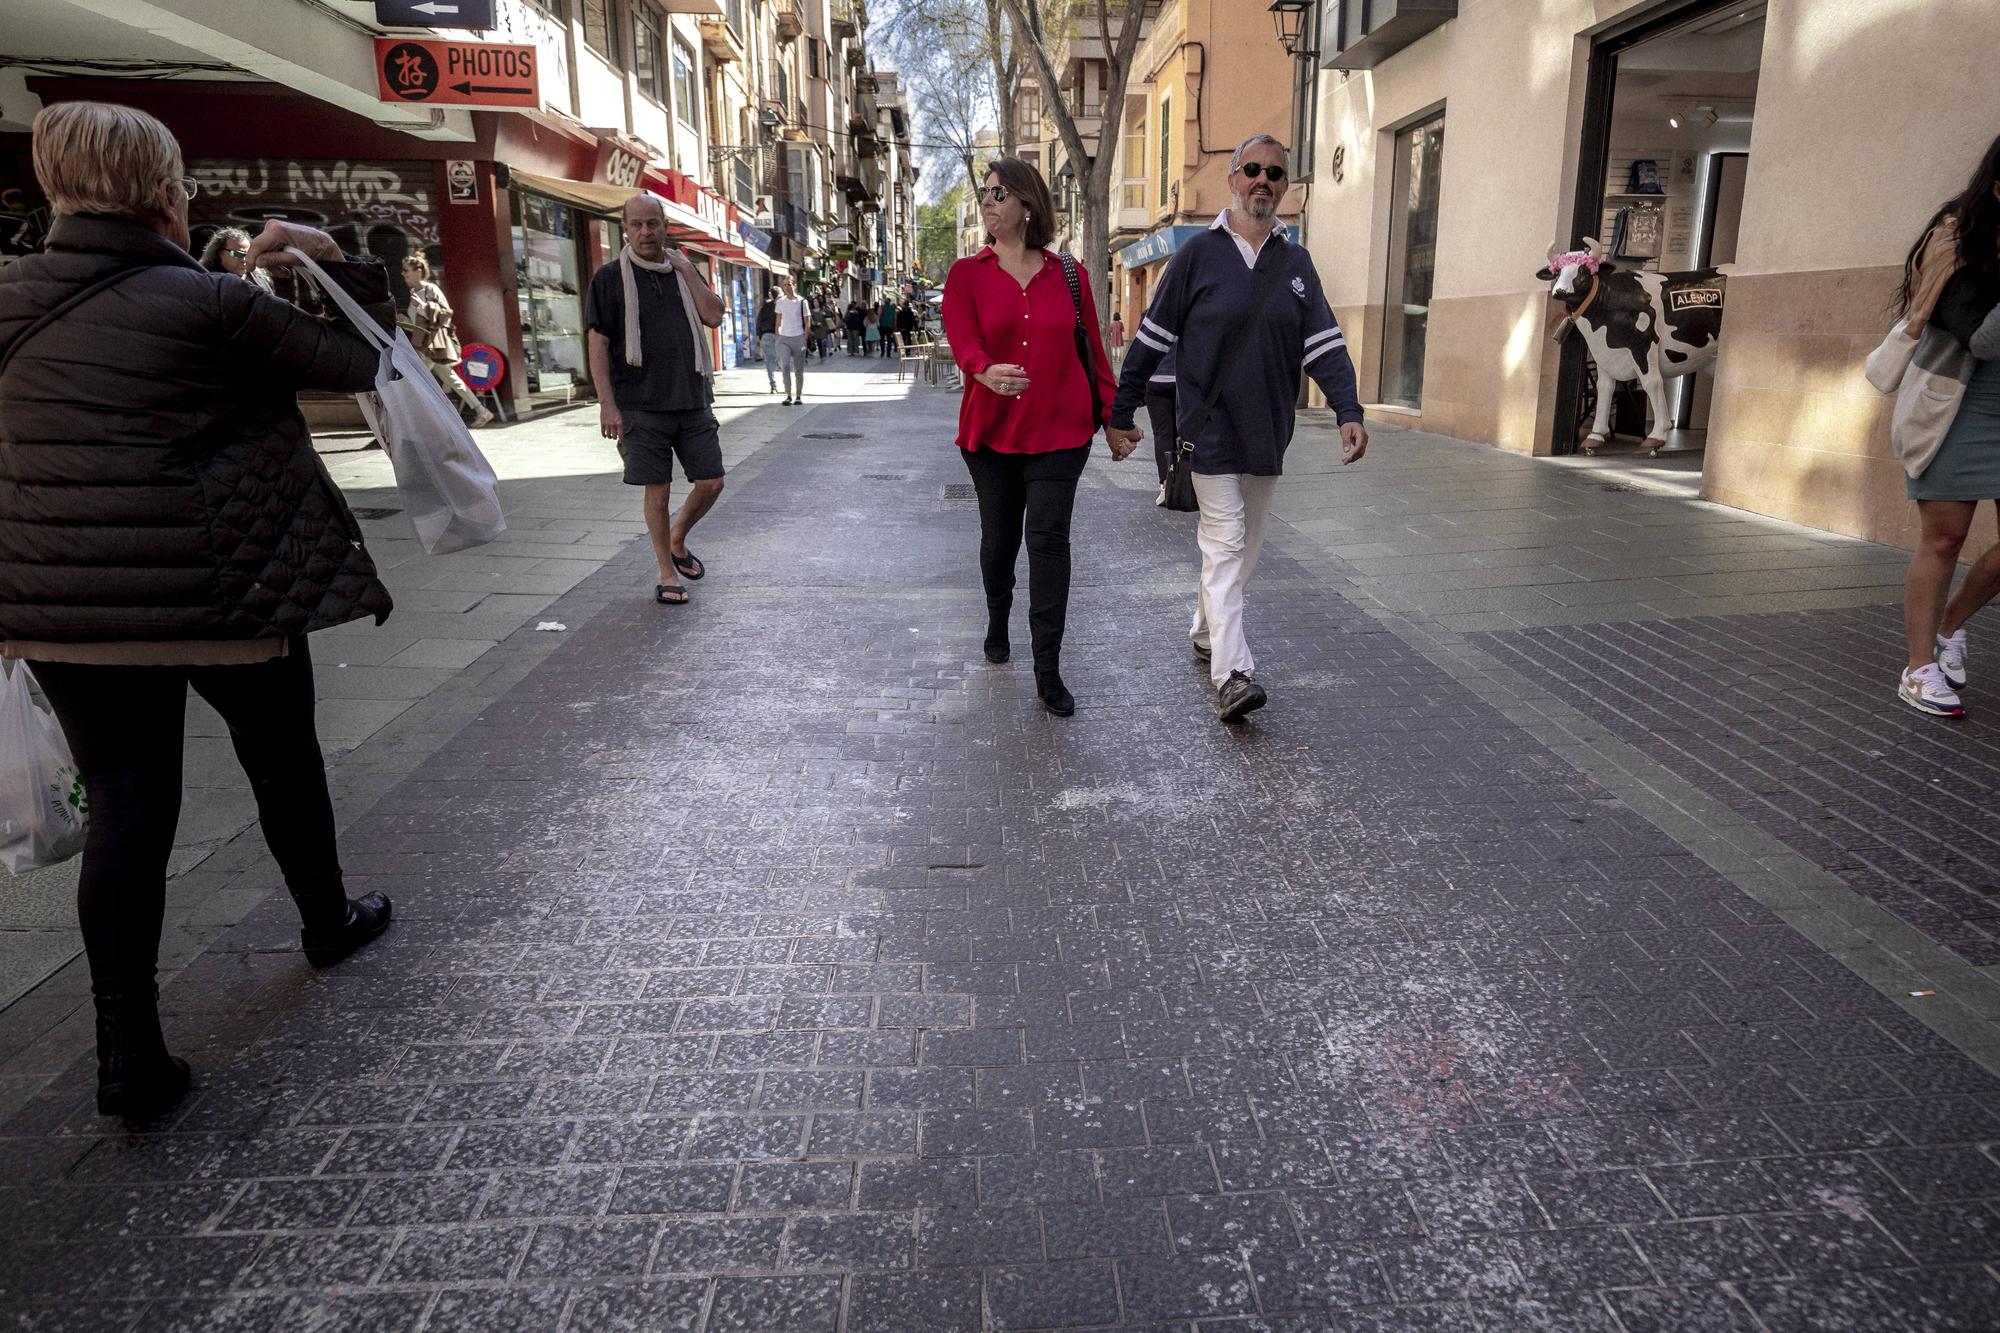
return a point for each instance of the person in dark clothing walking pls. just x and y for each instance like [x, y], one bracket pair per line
[855, 319]
[1026, 420]
[1241, 286]
[165, 523]
[648, 314]
[767, 338]
[886, 323]
[907, 325]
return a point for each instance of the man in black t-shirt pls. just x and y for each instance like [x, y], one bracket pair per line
[648, 313]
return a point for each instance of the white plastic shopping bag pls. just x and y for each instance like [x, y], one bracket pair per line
[42, 810]
[447, 486]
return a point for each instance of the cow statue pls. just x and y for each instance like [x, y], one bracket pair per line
[1642, 326]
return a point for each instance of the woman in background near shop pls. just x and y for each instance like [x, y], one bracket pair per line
[1030, 409]
[1952, 279]
[228, 251]
[433, 332]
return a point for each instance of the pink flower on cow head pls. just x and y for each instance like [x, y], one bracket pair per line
[1583, 259]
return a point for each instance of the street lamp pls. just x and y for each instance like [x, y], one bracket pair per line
[1293, 19]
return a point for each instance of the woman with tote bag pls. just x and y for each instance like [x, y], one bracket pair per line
[164, 526]
[1951, 282]
[435, 335]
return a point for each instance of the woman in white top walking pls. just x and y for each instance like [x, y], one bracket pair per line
[794, 324]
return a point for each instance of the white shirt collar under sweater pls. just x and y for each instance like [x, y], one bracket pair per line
[1243, 246]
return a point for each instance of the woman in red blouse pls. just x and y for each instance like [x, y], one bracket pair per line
[1030, 409]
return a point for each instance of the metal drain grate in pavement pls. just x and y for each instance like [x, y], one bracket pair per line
[959, 490]
[831, 435]
[885, 476]
[376, 513]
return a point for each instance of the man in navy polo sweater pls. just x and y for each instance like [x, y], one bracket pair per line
[1243, 302]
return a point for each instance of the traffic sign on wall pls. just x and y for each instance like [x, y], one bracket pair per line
[434, 13]
[439, 73]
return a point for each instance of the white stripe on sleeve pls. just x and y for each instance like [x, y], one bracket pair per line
[1143, 336]
[1161, 333]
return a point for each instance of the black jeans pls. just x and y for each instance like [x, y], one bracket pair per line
[124, 726]
[1033, 493]
[1160, 415]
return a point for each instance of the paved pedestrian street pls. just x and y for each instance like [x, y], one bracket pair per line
[775, 963]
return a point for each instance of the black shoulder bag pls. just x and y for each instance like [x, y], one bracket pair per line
[67, 304]
[1180, 494]
[1082, 336]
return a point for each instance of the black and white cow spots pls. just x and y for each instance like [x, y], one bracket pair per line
[1639, 326]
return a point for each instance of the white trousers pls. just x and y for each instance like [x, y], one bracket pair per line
[1234, 508]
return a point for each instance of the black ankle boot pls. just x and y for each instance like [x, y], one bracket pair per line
[367, 917]
[998, 649]
[1054, 694]
[136, 1078]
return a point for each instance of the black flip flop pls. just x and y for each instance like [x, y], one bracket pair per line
[670, 594]
[690, 566]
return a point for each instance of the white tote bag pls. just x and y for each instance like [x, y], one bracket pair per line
[447, 486]
[1887, 363]
[42, 810]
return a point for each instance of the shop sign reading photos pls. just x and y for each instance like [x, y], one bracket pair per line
[457, 73]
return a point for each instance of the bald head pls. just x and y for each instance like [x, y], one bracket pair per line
[645, 221]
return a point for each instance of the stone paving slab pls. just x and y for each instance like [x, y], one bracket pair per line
[773, 963]
[1792, 721]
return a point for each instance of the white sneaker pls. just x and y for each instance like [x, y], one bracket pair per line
[1161, 501]
[1951, 659]
[1926, 691]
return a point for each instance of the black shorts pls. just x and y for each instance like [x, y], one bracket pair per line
[652, 440]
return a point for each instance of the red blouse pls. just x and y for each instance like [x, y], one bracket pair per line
[990, 318]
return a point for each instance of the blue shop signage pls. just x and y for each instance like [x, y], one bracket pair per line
[1151, 249]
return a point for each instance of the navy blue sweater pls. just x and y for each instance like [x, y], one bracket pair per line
[1209, 300]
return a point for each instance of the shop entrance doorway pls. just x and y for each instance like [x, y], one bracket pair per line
[1665, 155]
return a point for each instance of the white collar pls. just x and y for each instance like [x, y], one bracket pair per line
[1282, 230]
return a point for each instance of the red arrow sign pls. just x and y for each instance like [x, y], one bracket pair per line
[439, 73]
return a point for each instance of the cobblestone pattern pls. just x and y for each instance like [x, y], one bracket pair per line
[1792, 721]
[773, 964]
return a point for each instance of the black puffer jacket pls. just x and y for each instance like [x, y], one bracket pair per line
[156, 479]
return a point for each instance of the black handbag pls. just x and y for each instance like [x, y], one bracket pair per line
[1179, 485]
[1082, 335]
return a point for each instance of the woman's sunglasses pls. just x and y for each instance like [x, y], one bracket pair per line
[239, 254]
[996, 193]
[1255, 169]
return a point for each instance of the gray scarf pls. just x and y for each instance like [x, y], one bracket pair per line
[704, 360]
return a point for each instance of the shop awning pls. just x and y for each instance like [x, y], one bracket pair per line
[684, 225]
[590, 195]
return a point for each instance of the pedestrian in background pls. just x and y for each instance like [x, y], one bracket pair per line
[1951, 279]
[767, 337]
[1117, 338]
[435, 334]
[907, 325]
[165, 524]
[228, 251]
[794, 328]
[1240, 307]
[648, 314]
[853, 323]
[886, 323]
[871, 332]
[823, 326]
[1029, 411]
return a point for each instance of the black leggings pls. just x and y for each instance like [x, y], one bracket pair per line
[1035, 493]
[1161, 416]
[124, 725]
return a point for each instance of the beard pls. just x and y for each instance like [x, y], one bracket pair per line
[1260, 207]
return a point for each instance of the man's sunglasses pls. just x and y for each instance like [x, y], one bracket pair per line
[996, 193]
[1255, 169]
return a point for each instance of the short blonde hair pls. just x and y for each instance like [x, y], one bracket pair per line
[98, 157]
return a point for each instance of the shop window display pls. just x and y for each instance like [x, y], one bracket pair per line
[549, 287]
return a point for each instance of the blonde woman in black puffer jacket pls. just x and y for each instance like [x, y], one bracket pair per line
[165, 523]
